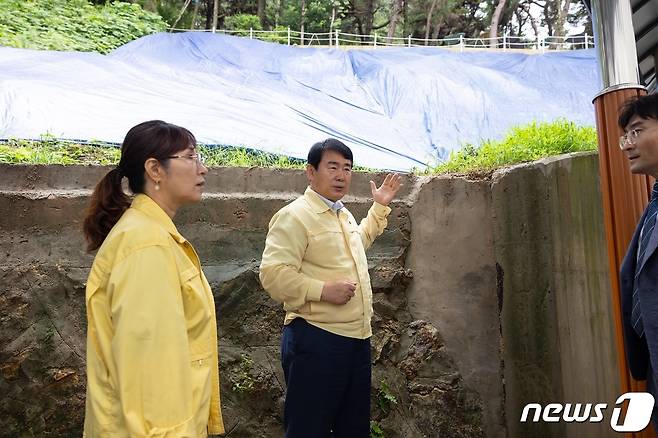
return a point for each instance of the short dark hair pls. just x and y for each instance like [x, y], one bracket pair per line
[330, 144]
[645, 107]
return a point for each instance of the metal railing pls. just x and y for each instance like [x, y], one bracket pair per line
[338, 39]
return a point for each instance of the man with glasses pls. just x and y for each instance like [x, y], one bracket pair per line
[639, 270]
[315, 264]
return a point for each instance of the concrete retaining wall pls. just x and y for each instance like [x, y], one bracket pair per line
[488, 295]
[557, 326]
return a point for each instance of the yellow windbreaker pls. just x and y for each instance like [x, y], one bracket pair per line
[152, 367]
[308, 244]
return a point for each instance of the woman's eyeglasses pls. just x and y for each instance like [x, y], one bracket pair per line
[196, 156]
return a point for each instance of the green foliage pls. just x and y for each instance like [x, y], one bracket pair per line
[242, 23]
[50, 332]
[524, 143]
[74, 24]
[241, 379]
[385, 398]
[317, 17]
[280, 37]
[51, 151]
[385, 401]
[376, 430]
[48, 150]
[243, 157]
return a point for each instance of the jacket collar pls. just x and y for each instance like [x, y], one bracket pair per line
[315, 201]
[150, 208]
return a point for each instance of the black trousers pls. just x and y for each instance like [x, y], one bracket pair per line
[328, 383]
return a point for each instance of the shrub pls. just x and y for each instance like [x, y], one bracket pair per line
[524, 143]
[281, 35]
[74, 25]
[242, 23]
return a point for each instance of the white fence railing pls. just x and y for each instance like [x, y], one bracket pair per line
[337, 39]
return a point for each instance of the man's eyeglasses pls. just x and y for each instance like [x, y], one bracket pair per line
[196, 156]
[630, 137]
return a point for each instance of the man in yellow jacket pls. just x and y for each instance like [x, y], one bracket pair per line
[315, 264]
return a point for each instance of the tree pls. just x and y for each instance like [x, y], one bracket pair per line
[194, 14]
[428, 23]
[261, 12]
[215, 13]
[396, 11]
[428, 19]
[523, 15]
[495, 21]
[301, 19]
[555, 16]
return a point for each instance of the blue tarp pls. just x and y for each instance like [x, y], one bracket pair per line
[396, 108]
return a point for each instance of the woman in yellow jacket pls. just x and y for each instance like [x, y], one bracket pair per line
[152, 368]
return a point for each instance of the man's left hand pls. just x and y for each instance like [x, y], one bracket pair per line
[386, 192]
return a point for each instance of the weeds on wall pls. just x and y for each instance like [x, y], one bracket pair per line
[522, 144]
[386, 401]
[241, 377]
[48, 150]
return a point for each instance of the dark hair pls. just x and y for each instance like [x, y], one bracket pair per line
[152, 139]
[330, 144]
[645, 107]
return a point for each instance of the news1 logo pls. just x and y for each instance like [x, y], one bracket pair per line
[638, 414]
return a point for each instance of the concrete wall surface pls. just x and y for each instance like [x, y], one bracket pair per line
[488, 294]
[557, 326]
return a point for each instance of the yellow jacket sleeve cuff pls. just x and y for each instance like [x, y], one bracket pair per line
[380, 210]
[314, 292]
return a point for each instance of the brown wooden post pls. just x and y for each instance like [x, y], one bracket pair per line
[624, 198]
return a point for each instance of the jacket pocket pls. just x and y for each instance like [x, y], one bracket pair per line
[198, 313]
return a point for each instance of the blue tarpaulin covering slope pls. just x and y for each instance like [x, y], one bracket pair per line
[396, 108]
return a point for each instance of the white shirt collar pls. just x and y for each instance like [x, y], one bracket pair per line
[335, 206]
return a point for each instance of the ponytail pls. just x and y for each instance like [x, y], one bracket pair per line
[152, 139]
[107, 204]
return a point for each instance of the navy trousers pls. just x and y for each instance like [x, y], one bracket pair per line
[328, 383]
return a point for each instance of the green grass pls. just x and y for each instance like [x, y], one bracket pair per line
[48, 150]
[523, 144]
[51, 151]
[243, 157]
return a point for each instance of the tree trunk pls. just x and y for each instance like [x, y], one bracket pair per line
[180, 15]
[333, 18]
[209, 13]
[563, 11]
[368, 17]
[277, 16]
[428, 23]
[396, 9]
[495, 19]
[194, 14]
[301, 20]
[533, 20]
[550, 22]
[215, 13]
[436, 31]
[261, 13]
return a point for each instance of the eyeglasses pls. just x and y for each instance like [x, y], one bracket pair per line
[630, 137]
[196, 156]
